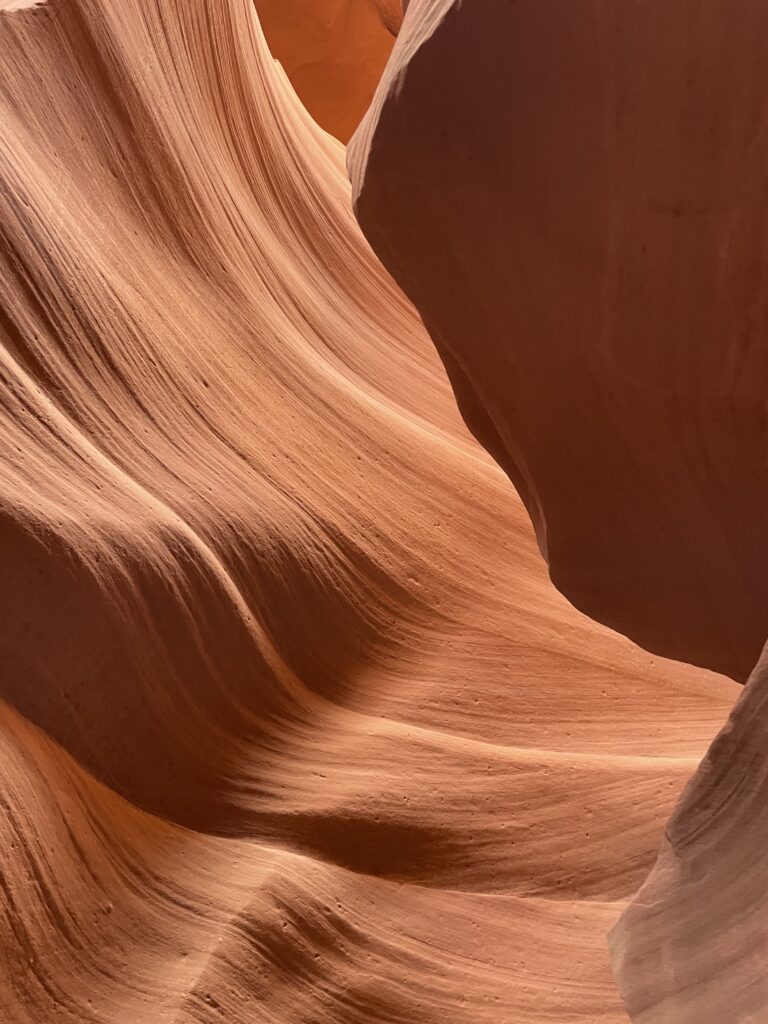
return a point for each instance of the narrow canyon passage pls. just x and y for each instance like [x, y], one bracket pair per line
[294, 725]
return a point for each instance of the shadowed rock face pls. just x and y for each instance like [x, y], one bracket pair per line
[573, 194]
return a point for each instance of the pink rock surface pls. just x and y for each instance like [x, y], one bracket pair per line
[294, 727]
[573, 195]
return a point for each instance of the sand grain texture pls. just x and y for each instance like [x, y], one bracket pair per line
[294, 726]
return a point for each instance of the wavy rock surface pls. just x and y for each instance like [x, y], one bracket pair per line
[575, 203]
[572, 195]
[692, 946]
[293, 724]
[333, 52]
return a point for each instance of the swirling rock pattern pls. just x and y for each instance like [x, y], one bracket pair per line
[573, 196]
[294, 726]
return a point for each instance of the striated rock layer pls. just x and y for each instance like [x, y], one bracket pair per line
[293, 725]
[573, 196]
